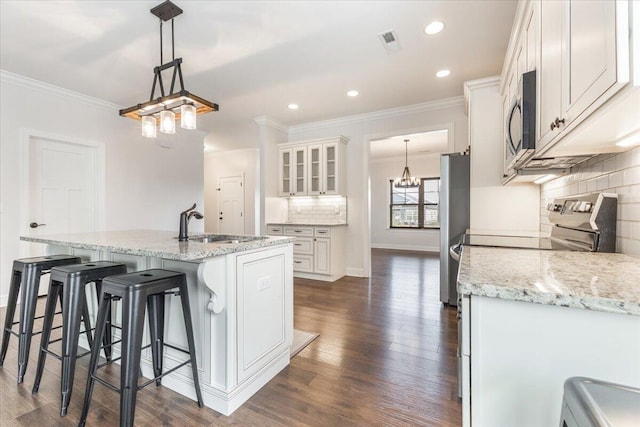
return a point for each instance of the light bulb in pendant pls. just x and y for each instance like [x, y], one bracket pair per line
[187, 116]
[149, 126]
[167, 121]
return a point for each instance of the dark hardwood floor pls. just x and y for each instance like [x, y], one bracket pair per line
[386, 355]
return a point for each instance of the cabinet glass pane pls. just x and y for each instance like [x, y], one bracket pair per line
[300, 156]
[286, 159]
[300, 185]
[331, 168]
[331, 154]
[315, 155]
[315, 184]
[285, 186]
[331, 183]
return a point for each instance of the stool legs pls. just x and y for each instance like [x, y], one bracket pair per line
[133, 322]
[28, 300]
[49, 311]
[155, 305]
[104, 307]
[14, 288]
[186, 312]
[106, 342]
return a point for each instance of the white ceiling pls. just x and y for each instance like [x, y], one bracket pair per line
[434, 142]
[253, 58]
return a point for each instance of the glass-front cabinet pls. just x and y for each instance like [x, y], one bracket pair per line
[322, 165]
[293, 172]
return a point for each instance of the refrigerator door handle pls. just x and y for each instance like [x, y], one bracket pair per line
[454, 251]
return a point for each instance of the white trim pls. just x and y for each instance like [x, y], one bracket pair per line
[392, 246]
[522, 10]
[477, 84]
[356, 272]
[25, 137]
[382, 114]
[18, 80]
[265, 121]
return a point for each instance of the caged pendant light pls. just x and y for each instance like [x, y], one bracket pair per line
[175, 104]
[406, 180]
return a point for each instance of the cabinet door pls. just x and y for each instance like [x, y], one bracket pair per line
[300, 171]
[315, 169]
[531, 38]
[261, 313]
[550, 70]
[590, 54]
[285, 187]
[322, 256]
[330, 168]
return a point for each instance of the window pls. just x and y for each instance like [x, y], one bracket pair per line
[415, 207]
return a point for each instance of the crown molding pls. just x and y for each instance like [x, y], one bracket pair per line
[18, 80]
[477, 84]
[381, 114]
[265, 121]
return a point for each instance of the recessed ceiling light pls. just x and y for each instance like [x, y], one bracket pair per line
[353, 93]
[443, 73]
[293, 106]
[434, 28]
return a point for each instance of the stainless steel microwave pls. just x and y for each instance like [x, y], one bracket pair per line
[520, 126]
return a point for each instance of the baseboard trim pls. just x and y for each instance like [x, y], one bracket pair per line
[419, 248]
[356, 272]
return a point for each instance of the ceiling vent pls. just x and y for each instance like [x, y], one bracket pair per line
[389, 41]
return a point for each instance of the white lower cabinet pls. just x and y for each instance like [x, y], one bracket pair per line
[319, 252]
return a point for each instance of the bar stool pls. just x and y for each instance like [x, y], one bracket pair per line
[69, 282]
[135, 290]
[26, 275]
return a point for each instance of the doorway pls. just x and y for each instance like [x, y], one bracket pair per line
[231, 205]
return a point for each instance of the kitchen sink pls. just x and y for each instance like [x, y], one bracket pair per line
[217, 238]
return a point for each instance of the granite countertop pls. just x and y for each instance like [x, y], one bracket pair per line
[327, 223]
[156, 243]
[593, 281]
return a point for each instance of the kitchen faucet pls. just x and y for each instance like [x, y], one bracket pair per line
[185, 217]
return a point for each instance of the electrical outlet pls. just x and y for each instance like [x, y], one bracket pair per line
[336, 210]
[264, 283]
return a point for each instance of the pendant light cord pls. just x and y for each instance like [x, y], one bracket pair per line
[161, 61]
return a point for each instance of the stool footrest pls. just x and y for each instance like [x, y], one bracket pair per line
[175, 368]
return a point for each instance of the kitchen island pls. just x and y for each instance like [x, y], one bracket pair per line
[533, 318]
[241, 296]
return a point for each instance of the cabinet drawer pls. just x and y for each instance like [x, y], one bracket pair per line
[274, 230]
[303, 263]
[322, 232]
[298, 231]
[303, 246]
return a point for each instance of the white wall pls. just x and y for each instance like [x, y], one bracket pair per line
[360, 130]
[610, 173]
[383, 170]
[218, 164]
[495, 209]
[146, 185]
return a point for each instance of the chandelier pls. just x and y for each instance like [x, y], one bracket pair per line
[177, 103]
[406, 180]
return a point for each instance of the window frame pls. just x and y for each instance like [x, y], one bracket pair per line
[420, 205]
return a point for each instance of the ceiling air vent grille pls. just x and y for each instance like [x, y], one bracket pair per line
[389, 41]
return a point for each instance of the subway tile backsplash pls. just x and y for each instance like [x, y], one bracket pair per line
[322, 209]
[612, 173]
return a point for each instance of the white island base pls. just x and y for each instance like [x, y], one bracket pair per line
[242, 309]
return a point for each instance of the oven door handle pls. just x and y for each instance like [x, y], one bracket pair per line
[454, 251]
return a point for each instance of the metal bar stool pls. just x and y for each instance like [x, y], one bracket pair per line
[135, 290]
[26, 275]
[69, 282]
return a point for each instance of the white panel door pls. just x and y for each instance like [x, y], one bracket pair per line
[62, 187]
[231, 205]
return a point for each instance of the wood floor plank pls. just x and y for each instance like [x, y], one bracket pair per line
[386, 355]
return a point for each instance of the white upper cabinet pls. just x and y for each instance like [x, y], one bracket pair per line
[293, 172]
[324, 168]
[584, 63]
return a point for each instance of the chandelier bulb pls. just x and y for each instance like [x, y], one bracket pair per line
[188, 116]
[149, 126]
[167, 121]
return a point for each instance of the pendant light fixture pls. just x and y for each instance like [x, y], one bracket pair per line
[178, 103]
[406, 180]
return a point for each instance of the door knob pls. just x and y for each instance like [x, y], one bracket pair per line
[36, 225]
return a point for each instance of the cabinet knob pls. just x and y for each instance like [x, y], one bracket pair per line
[556, 123]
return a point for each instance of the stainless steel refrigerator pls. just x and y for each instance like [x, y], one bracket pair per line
[454, 218]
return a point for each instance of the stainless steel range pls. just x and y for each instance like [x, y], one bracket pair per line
[579, 223]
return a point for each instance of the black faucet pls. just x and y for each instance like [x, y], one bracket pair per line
[185, 217]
